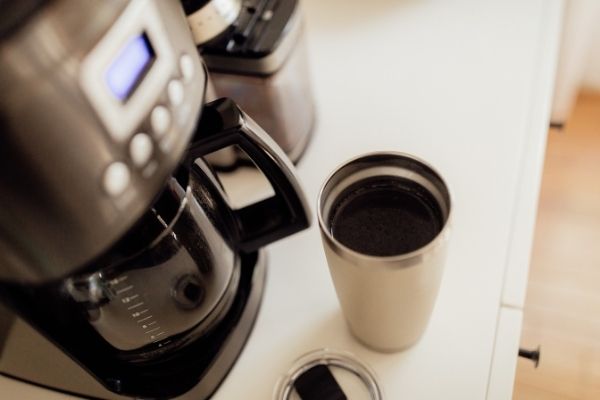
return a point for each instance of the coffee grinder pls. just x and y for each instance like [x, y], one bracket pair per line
[255, 51]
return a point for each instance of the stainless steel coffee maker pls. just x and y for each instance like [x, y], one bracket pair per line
[119, 245]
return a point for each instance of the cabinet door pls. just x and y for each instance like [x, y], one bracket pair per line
[506, 350]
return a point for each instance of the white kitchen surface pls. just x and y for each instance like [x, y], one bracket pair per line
[465, 85]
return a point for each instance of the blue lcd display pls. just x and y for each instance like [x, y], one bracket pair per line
[127, 69]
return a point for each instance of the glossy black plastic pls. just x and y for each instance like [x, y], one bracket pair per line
[224, 124]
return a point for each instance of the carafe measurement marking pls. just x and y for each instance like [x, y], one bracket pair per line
[118, 280]
[145, 319]
[141, 303]
[128, 299]
[139, 313]
[125, 289]
[151, 327]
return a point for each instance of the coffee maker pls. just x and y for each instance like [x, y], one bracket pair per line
[125, 271]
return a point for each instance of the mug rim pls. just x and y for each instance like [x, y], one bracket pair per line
[343, 250]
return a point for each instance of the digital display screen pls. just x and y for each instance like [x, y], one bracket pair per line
[128, 68]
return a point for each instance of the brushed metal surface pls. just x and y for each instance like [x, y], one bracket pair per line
[54, 214]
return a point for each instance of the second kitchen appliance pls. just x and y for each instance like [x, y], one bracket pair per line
[256, 54]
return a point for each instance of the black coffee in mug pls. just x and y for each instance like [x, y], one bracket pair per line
[385, 216]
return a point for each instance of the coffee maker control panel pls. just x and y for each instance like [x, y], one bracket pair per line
[156, 134]
[139, 83]
[100, 101]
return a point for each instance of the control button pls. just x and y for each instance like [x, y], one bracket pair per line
[140, 149]
[160, 119]
[116, 178]
[176, 92]
[186, 64]
[150, 169]
[267, 15]
[166, 145]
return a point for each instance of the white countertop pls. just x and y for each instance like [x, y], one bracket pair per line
[465, 85]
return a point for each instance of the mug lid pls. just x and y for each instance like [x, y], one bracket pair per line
[327, 374]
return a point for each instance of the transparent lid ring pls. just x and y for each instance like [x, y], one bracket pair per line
[335, 360]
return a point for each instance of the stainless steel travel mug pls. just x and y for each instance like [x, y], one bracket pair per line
[386, 300]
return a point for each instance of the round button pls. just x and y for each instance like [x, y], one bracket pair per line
[186, 64]
[140, 149]
[116, 178]
[267, 15]
[160, 119]
[175, 92]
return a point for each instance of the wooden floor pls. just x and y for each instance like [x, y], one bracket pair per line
[562, 310]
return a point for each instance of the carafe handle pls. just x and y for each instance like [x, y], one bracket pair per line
[223, 124]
